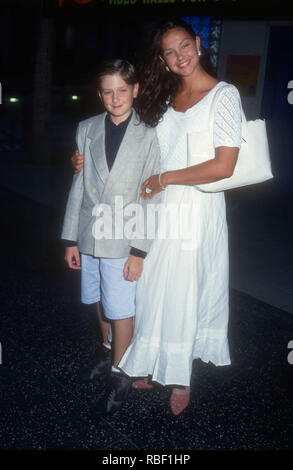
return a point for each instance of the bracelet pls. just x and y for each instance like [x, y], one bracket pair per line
[162, 187]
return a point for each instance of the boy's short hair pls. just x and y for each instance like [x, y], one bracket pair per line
[123, 67]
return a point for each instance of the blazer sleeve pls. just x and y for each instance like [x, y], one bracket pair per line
[147, 233]
[71, 218]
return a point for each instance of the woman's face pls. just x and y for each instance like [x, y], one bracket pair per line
[180, 51]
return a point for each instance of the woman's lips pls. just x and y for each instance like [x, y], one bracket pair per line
[183, 64]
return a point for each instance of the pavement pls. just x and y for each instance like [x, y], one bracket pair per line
[47, 336]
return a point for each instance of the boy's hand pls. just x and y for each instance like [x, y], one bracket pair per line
[72, 257]
[133, 268]
[77, 161]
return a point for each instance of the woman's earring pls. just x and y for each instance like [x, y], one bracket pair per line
[167, 68]
[198, 52]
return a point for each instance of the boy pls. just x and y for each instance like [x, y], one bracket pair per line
[120, 153]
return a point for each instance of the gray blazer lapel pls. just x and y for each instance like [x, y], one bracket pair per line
[128, 146]
[97, 149]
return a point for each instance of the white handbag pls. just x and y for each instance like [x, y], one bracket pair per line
[253, 163]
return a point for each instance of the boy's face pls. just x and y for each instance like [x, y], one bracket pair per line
[117, 97]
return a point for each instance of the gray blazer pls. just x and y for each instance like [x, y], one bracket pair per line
[138, 158]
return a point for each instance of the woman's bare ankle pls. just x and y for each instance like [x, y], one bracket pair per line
[181, 391]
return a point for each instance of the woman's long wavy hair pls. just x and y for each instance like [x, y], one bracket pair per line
[157, 85]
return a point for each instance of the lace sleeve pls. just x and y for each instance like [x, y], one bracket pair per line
[227, 120]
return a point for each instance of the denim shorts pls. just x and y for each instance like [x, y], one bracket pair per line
[102, 280]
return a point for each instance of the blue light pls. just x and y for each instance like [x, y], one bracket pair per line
[201, 26]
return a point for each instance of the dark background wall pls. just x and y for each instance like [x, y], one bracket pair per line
[48, 55]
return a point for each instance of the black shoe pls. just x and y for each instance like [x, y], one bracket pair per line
[118, 391]
[103, 366]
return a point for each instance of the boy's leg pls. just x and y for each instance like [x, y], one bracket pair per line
[104, 325]
[122, 334]
[90, 294]
[118, 299]
[104, 359]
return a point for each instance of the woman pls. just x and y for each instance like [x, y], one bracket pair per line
[182, 295]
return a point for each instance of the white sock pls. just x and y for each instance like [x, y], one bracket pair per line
[108, 346]
[114, 369]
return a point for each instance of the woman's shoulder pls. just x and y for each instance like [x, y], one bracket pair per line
[227, 89]
[227, 115]
[226, 98]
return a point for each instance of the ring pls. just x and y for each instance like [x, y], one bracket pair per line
[148, 190]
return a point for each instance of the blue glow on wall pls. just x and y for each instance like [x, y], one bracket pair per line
[202, 26]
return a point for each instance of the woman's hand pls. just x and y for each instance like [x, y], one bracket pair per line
[77, 161]
[133, 268]
[151, 187]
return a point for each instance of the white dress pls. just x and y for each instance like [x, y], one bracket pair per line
[182, 295]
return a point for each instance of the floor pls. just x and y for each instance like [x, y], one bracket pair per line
[47, 337]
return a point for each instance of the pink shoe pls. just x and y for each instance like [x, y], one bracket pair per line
[179, 400]
[142, 384]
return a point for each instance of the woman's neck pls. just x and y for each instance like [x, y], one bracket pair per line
[192, 90]
[199, 80]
